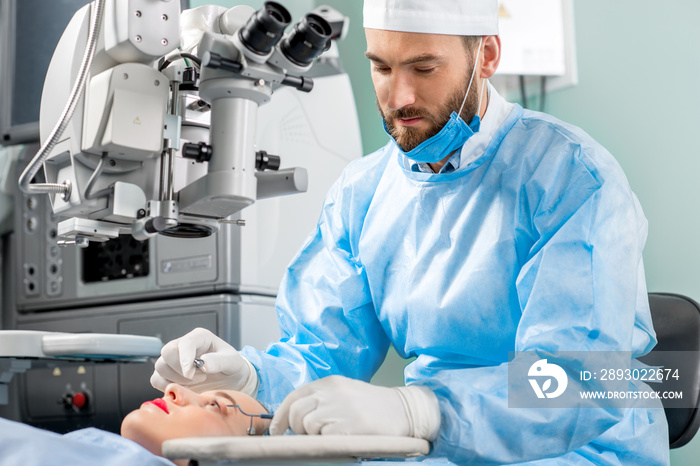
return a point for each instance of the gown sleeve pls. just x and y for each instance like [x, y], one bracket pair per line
[325, 310]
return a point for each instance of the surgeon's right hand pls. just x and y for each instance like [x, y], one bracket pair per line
[224, 367]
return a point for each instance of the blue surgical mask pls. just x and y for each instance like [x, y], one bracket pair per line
[452, 136]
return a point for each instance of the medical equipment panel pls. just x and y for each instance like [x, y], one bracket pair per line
[45, 397]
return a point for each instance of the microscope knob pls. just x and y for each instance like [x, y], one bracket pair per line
[265, 161]
[200, 152]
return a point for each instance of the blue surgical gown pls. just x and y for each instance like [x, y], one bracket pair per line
[533, 245]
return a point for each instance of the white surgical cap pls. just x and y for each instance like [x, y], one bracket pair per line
[455, 17]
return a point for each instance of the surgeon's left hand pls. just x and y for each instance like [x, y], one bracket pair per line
[339, 405]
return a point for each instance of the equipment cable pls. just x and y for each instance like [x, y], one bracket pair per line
[523, 94]
[543, 92]
[167, 62]
[75, 95]
[93, 178]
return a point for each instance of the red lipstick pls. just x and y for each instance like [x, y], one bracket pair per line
[160, 402]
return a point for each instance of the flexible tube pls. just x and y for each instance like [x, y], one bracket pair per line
[77, 91]
[93, 179]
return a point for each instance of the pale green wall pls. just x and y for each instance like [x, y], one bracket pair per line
[639, 63]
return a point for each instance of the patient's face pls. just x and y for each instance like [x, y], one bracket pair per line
[183, 413]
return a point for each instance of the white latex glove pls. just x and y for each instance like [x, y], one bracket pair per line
[339, 405]
[224, 367]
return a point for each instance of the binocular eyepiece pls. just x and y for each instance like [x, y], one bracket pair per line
[309, 38]
[265, 28]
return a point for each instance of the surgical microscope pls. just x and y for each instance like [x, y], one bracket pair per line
[129, 153]
[175, 135]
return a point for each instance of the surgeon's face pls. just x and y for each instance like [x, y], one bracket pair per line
[419, 79]
[183, 413]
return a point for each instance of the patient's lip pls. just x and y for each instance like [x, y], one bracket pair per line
[160, 402]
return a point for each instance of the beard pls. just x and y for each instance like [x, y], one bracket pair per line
[409, 138]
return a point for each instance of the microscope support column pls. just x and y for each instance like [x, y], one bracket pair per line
[232, 133]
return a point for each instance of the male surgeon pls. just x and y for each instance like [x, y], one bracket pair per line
[480, 228]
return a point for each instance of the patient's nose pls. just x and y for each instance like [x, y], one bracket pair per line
[179, 395]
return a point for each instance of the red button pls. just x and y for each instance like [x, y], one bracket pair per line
[79, 400]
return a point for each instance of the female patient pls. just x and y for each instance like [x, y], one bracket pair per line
[179, 413]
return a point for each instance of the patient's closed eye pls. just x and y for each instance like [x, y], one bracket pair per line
[217, 405]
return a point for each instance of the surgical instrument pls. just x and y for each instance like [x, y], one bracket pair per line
[251, 430]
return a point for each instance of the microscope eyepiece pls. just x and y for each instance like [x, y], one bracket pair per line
[309, 39]
[265, 28]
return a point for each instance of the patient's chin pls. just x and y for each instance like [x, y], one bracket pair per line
[136, 429]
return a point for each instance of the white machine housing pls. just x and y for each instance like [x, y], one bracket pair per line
[120, 159]
[123, 107]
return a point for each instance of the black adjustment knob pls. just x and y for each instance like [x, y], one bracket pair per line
[265, 161]
[216, 61]
[301, 83]
[200, 152]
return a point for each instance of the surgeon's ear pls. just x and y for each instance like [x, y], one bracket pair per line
[492, 56]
